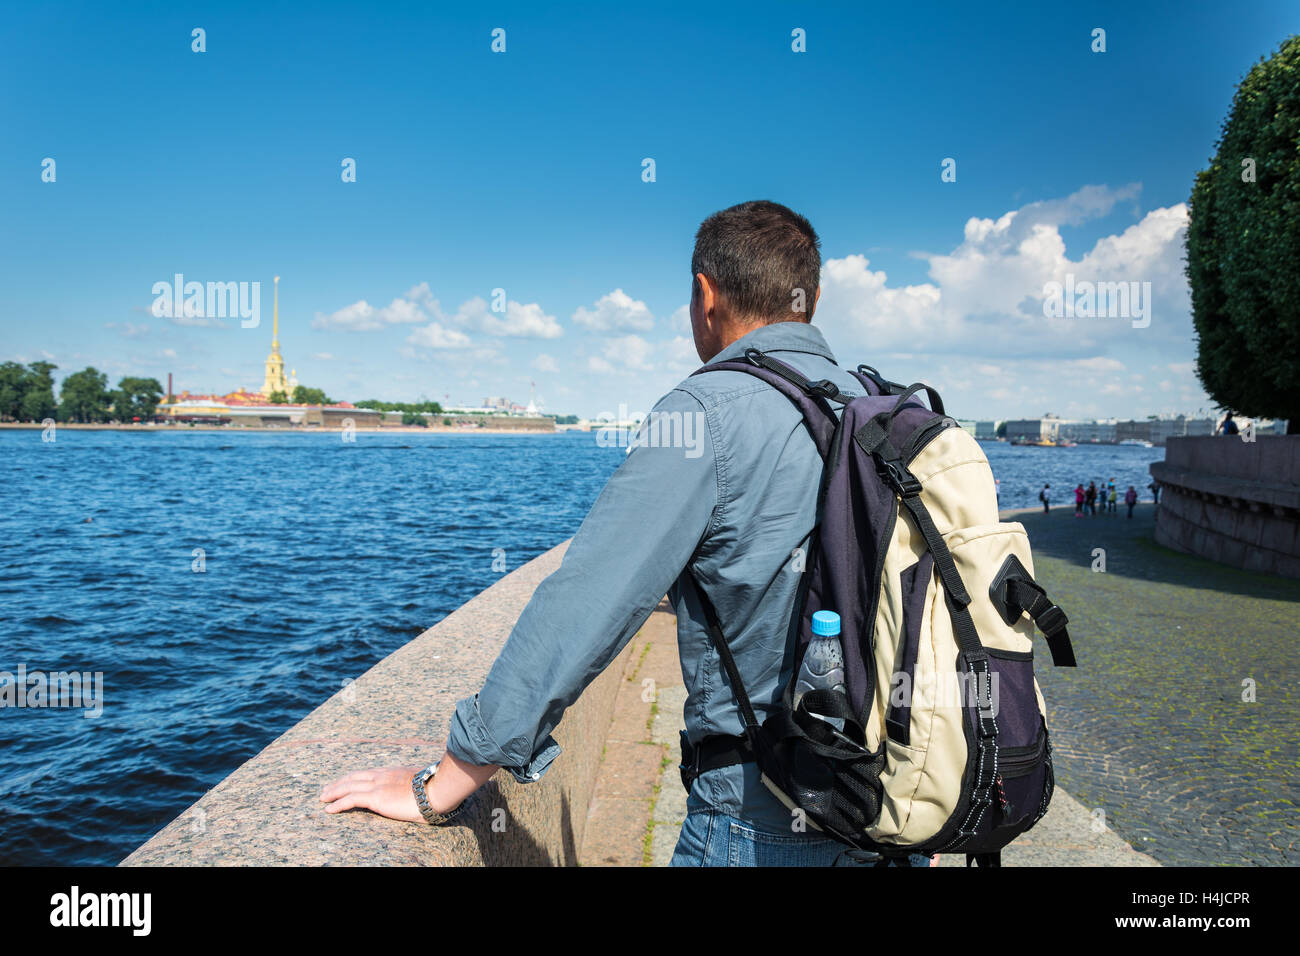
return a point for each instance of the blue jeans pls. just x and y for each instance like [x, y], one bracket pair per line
[712, 838]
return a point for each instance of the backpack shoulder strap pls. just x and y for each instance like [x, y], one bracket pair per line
[811, 398]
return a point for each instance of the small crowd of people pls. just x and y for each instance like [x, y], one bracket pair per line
[1086, 500]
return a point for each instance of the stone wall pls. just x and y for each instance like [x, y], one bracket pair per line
[1232, 501]
[268, 813]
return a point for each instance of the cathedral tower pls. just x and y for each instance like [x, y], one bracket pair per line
[275, 380]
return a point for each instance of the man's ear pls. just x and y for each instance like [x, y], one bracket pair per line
[708, 297]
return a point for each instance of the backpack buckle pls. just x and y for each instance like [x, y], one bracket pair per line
[1052, 621]
[904, 483]
[690, 765]
[825, 388]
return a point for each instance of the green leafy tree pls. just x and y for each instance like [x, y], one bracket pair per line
[1001, 431]
[302, 395]
[38, 393]
[84, 397]
[433, 408]
[13, 379]
[136, 398]
[1243, 246]
[414, 418]
[278, 398]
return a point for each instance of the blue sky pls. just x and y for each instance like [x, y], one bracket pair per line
[522, 171]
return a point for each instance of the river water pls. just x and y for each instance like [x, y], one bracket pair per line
[226, 584]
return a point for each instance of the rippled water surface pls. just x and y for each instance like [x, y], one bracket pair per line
[319, 557]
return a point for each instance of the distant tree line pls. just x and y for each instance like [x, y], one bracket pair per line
[27, 395]
[302, 395]
[433, 408]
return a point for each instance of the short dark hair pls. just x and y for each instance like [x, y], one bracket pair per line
[758, 253]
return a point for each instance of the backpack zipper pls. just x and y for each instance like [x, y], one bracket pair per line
[923, 435]
[1018, 761]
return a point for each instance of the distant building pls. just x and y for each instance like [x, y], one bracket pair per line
[1088, 431]
[1133, 431]
[250, 410]
[1165, 428]
[497, 405]
[984, 431]
[1158, 430]
[1032, 429]
[274, 380]
[255, 409]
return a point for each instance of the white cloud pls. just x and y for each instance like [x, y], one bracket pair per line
[615, 311]
[361, 316]
[524, 321]
[435, 336]
[984, 297]
[519, 320]
[545, 363]
[630, 351]
[680, 355]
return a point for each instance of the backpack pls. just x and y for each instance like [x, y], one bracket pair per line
[944, 744]
[1042, 496]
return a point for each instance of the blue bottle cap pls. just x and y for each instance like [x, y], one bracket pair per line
[825, 623]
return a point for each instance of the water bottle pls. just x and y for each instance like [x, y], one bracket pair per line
[823, 662]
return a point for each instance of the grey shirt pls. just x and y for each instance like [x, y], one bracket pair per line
[725, 473]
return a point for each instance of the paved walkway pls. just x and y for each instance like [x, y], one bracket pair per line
[1182, 721]
[1178, 734]
[640, 802]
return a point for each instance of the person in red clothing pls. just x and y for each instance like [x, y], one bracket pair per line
[1130, 499]
[1078, 500]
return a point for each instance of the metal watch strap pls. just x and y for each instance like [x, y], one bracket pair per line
[422, 798]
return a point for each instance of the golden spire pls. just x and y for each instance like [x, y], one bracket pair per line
[275, 381]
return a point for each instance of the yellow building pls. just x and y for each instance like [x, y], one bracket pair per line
[255, 410]
[275, 380]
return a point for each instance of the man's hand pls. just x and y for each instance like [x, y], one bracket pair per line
[386, 791]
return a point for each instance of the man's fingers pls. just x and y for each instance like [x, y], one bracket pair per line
[357, 778]
[349, 801]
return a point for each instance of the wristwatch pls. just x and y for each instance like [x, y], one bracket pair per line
[422, 799]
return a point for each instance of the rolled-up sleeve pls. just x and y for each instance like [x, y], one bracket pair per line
[633, 544]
